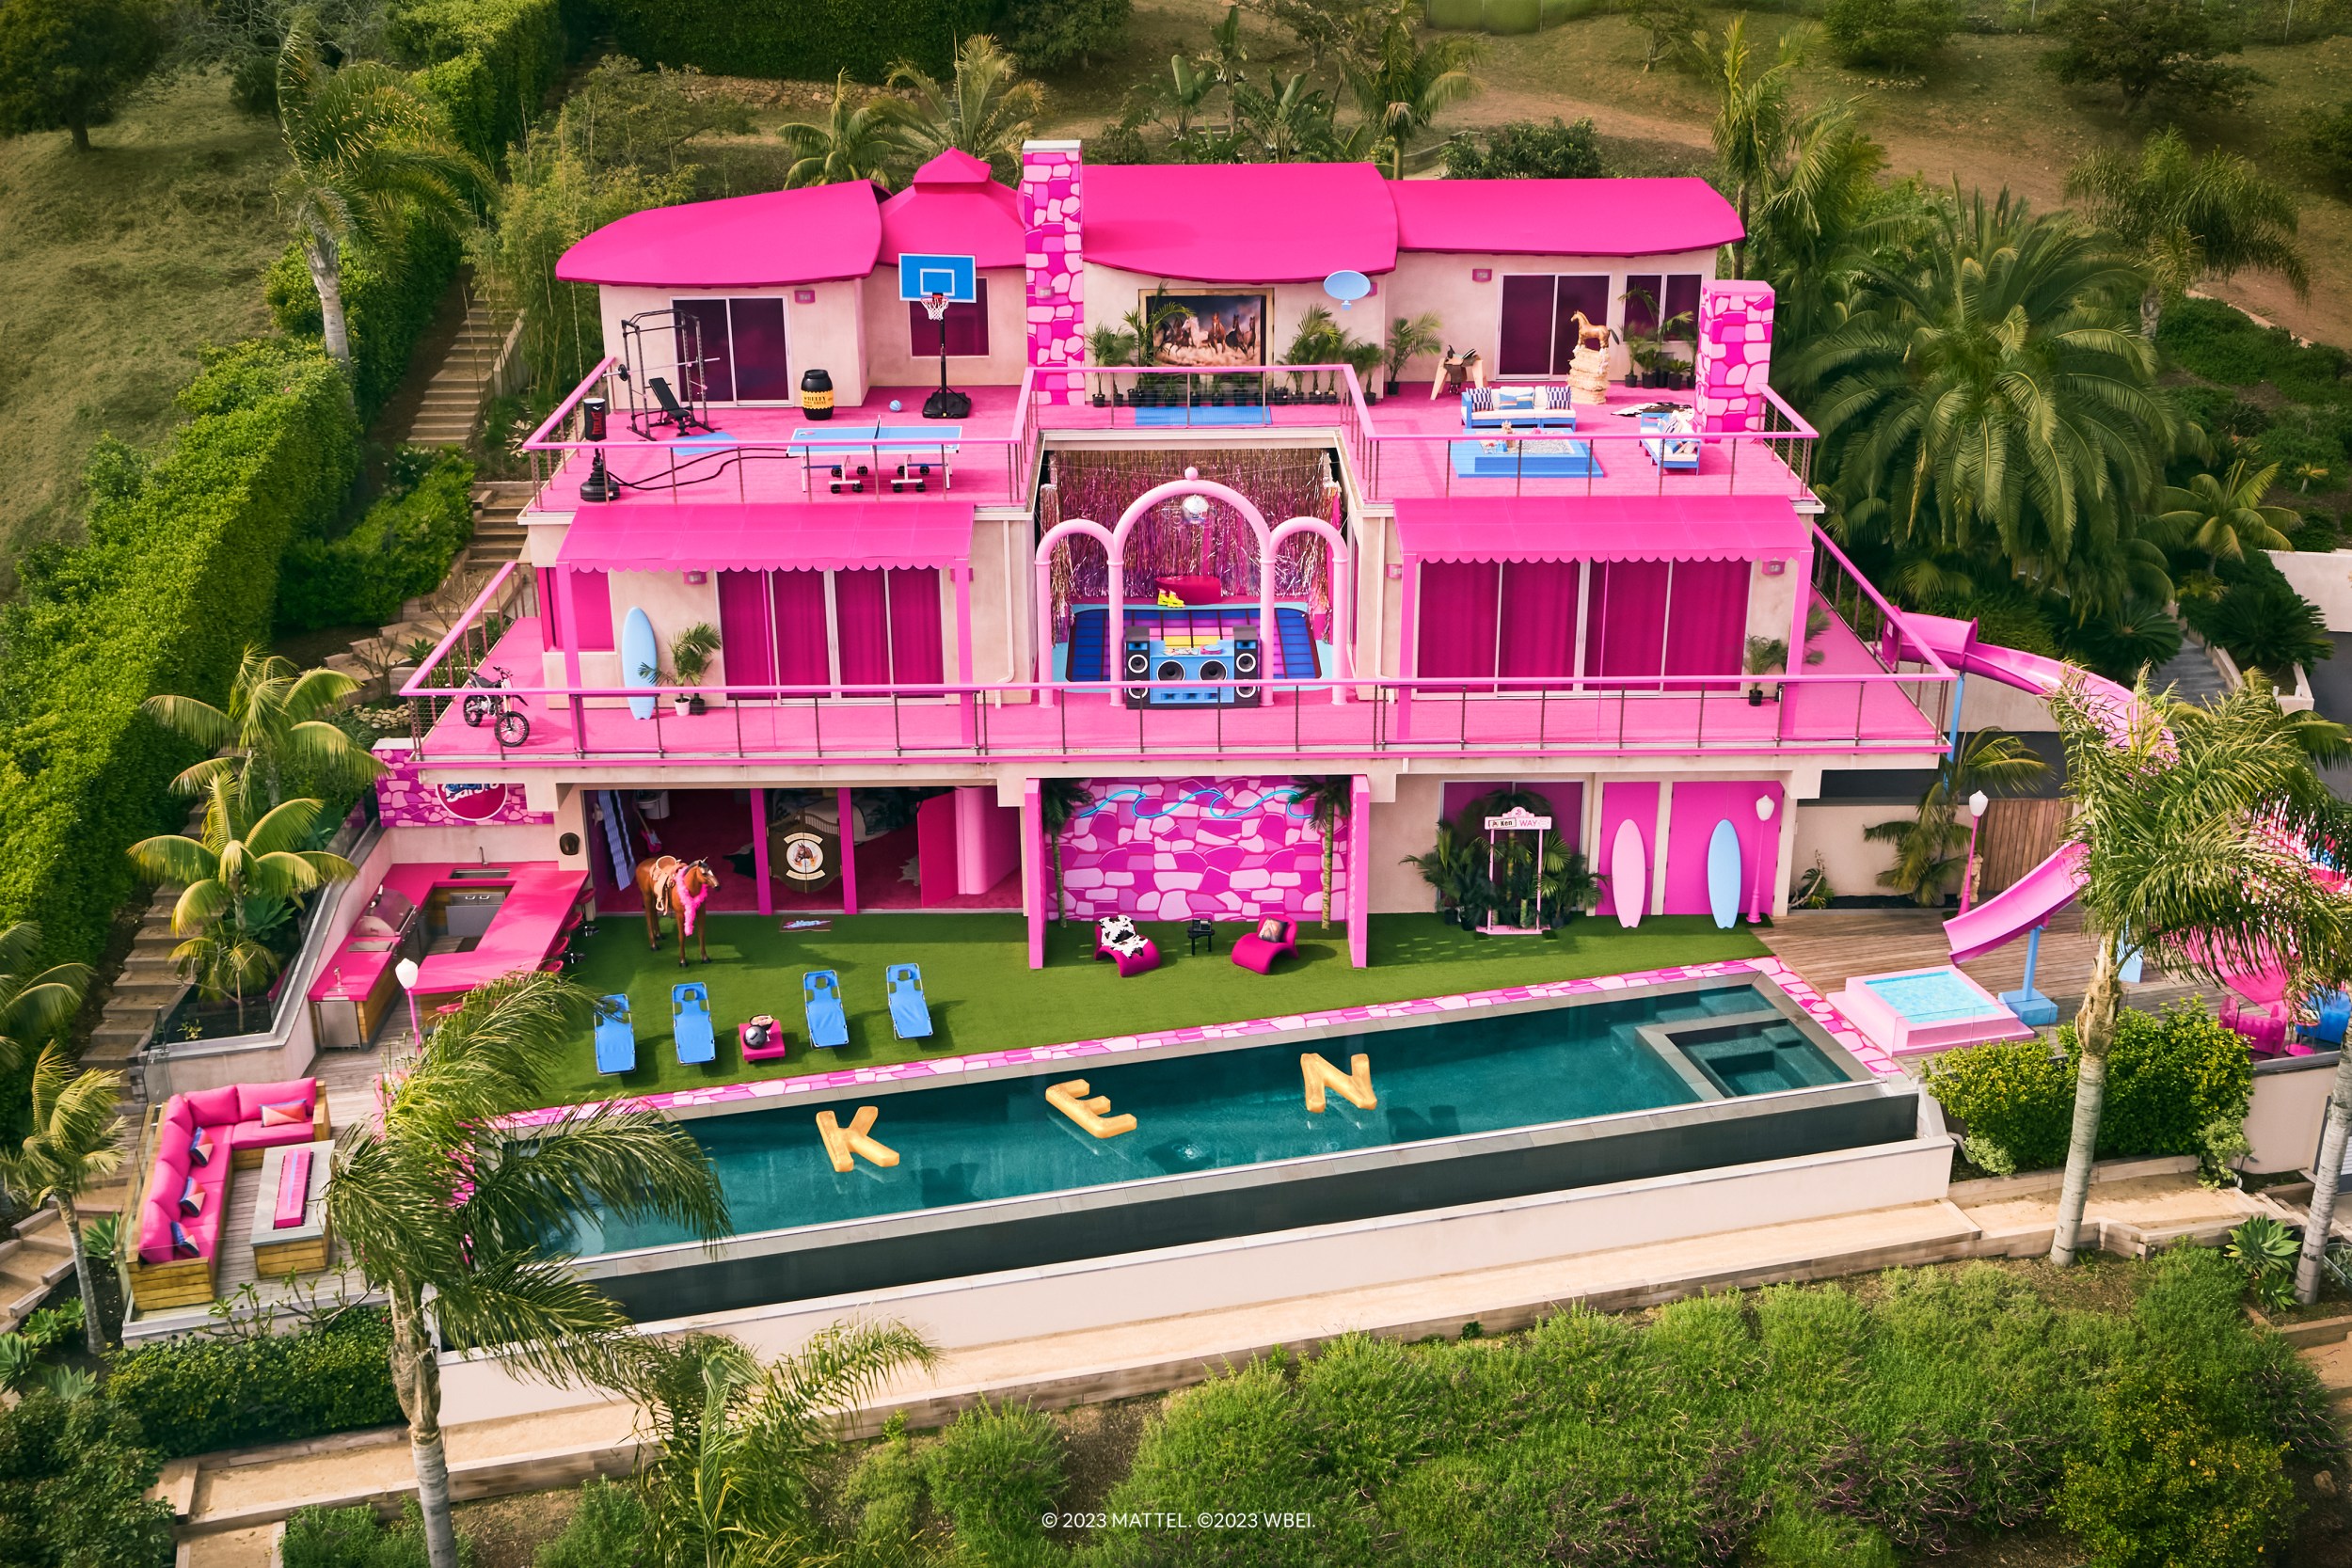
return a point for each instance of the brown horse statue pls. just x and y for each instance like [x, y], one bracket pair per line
[676, 887]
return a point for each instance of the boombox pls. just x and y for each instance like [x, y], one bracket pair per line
[1230, 674]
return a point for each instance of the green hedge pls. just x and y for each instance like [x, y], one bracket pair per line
[176, 579]
[205, 1393]
[2174, 1081]
[389, 301]
[806, 40]
[489, 63]
[400, 548]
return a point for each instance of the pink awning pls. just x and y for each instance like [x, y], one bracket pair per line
[1561, 218]
[955, 207]
[841, 533]
[810, 236]
[1238, 223]
[1600, 528]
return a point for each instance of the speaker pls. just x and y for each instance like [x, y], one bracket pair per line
[1248, 667]
[1210, 667]
[1138, 667]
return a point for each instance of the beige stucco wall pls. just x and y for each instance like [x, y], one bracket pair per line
[828, 329]
[1405, 826]
[2325, 579]
[1835, 833]
[891, 360]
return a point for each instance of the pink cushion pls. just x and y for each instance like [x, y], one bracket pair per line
[293, 1112]
[252, 1096]
[155, 1231]
[215, 1107]
[1272, 930]
[180, 1114]
[252, 1134]
[1193, 590]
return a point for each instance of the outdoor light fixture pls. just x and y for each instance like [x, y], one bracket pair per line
[697, 578]
[406, 972]
[1764, 804]
[1196, 507]
[1775, 568]
[1976, 804]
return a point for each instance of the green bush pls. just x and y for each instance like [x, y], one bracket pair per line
[2013, 1099]
[803, 40]
[2263, 623]
[402, 548]
[389, 302]
[2161, 1485]
[176, 580]
[993, 1472]
[1524, 150]
[606, 1530]
[1899, 35]
[489, 63]
[355, 1538]
[73, 1482]
[2215, 340]
[197, 1395]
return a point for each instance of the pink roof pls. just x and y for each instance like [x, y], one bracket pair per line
[1239, 223]
[1599, 528]
[842, 534]
[742, 242]
[1561, 218]
[955, 207]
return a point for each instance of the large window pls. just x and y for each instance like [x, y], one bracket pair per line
[878, 626]
[1539, 312]
[1651, 297]
[966, 323]
[742, 349]
[1634, 621]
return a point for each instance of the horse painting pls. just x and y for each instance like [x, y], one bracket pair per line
[674, 887]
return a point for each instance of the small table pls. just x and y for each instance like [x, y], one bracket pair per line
[1199, 931]
[916, 443]
[291, 1248]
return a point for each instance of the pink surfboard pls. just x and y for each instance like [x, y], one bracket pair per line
[1628, 876]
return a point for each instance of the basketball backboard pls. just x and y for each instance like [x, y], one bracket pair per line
[921, 276]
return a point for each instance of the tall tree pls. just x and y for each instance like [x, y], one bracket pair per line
[75, 1143]
[369, 158]
[2223, 514]
[2190, 219]
[275, 725]
[860, 138]
[984, 107]
[2167, 50]
[450, 1214]
[1405, 82]
[2185, 833]
[36, 1006]
[66, 64]
[1755, 115]
[1328, 799]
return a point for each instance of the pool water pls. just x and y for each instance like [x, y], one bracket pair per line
[1931, 996]
[1482, 1071]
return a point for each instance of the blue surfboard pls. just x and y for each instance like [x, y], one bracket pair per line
[641, 656]
[1722, 875]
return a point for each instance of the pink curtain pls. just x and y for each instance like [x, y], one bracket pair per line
[915, 655]
[862, 628]
[1457, 634]
[744, 640]
[799, 601]
[591, 601]
[1706, 622]
[1628, 602]
[551, 610]
[1539, 618]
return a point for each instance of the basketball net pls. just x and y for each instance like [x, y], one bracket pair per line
[935, 306]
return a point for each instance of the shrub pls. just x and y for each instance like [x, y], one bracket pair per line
[803, 40]
[890, 1516]
[2220, 343]
[73, 1482]
[1899, 35]
[2117, 642]
[355, 1538]
[2170, 1077]
[196, 1394]
[2328, 145]
[489, 63]
[2263, 624]
[2317, 533]
[1524, 150]
[2162, 49]
[607, 1531]
[993, 1472]
[175, 581]
[2013, 1100]
[400, 549]
[1052, 35]
[389, 300]
[2161, 1486]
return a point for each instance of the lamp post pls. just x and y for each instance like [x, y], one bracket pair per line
[1755, 894]
[406, 972]
[1976, 804]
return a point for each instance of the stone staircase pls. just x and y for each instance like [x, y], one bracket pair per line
[498, 530]
[2192, 673]
[33, 1264]
[146, 988]
[453, 397]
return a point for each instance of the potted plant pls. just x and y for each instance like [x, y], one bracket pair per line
[1409, 337]
[1364, 358]
[1767, 655]
[689, 663]
[1109, 347]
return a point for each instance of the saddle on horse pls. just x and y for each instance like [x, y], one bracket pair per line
[663, 875]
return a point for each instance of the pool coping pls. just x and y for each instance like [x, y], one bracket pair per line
[724, 1097]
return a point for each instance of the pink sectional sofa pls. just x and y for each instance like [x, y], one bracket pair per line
[230, 1118]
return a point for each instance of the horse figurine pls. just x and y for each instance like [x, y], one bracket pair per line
[671, 886]
[1592, 334]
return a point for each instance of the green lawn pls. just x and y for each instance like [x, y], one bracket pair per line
[985, 997]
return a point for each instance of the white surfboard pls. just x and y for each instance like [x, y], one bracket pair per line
[1722, 875]
[639, 655]
[1628, 876]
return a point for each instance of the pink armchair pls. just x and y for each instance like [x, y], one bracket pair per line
[1270, 941]
[1117, 939]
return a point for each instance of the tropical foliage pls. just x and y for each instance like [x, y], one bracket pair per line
[36, 1003]
[1931, 844]
[2189, 218]
[863, 136]
[76, 1142]
[984, 107]
[1406, 80]
[272, 729]
[66, 64]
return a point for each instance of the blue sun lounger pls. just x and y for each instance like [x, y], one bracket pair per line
[910, 1009]
[616, 1036]
[689, 1020]
[820, 998]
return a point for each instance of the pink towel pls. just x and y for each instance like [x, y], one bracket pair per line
[293, 1189]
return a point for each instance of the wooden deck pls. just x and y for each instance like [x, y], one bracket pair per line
[1828, 947]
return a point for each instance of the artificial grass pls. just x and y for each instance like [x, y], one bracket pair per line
[985, 997]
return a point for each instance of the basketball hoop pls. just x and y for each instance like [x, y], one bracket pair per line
[935, 306]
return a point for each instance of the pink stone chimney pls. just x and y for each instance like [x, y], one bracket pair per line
[1055, 268]
[1735, 355]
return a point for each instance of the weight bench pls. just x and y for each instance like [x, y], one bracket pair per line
[673, 412]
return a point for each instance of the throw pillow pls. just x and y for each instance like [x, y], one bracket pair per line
[290, 1114]
[183, 1245]
[191, 1198]
[200, 1147]
[1271, 931]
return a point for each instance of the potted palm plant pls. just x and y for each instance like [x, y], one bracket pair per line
[689, 663]
[1766, 655]
[1109, 347]
[1364, 358]
[1409, 337]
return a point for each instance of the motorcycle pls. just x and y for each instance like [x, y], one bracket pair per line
[503, 711]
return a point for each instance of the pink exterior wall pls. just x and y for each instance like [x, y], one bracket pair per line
[1636, 803]
[1050, 198]
[935, 849]
[1697, 807]
[1735, 355]
[988, 839]
[405, 801]
[1197, 847]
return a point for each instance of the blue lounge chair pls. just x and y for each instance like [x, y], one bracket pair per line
[616, 1036]
[910, 1009]
[689, 1020]
[820, 998]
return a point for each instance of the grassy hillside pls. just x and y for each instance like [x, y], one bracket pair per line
[121, 262]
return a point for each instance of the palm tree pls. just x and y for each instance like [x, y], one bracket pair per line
[2188, 217]
[75, 1142]
[1755, 118]
[984, 108]
[34, 1005]
[276, 721]
[1405, 84]
[741, 1446]
[1929, 845]
[1986, 389]
[2188, 828]
[2223, 514]
[370, 157]
[1061, 801]
[1328, 799]
[864, 142]
[440, 1204]
[1288, 119]
[1226, 62]
[239, 884]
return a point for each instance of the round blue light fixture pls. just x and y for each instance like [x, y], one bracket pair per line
[1348, 287]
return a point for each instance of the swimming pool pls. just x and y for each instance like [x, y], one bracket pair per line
[1496, 1102]
[1925, 1010]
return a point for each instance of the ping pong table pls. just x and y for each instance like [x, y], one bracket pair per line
[912, 444]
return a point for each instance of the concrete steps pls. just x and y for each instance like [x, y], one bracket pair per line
[497, 528]
[2192, 675]
[451, 405]
[31, 1265]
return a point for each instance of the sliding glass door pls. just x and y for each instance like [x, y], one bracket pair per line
[874, 626]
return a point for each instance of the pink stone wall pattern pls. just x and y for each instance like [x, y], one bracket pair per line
[1735, 356]
[1196, 848]
[403, 801]
[1051, 208]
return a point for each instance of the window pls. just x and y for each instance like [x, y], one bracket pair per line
[742, 348]
[1651, 297]
[1539, 312]
[865, 627]
[592, 602]
[966, 324]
